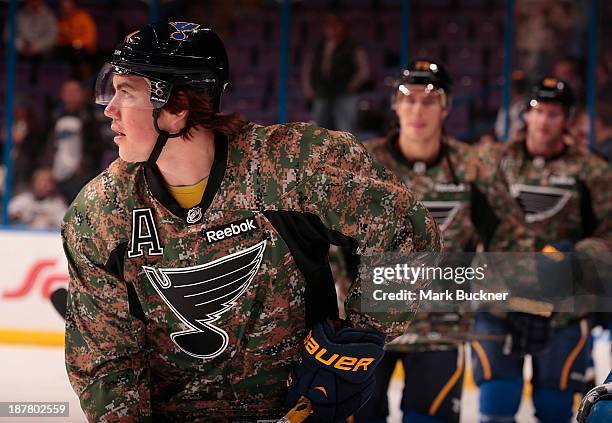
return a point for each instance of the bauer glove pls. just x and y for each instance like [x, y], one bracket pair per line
[336, 371]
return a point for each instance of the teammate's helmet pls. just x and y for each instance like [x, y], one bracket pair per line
[552, 90]
[425, 72]
[430, 74]
[169, 54]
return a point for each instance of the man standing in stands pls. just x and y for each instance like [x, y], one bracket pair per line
[75, 143]
[36, 33]
[41, 206]
[77, 38]
[332, 75]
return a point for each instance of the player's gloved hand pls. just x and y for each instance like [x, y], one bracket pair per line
[529, 333]
[596, 406]
[562, 246]
[336, 371]
[59, 298]
[556, 272]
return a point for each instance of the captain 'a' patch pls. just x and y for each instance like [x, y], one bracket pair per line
[198, 295]
[144, 239]
[443, 211]
[540, 203]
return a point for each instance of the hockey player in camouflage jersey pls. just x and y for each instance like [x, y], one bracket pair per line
[183, 310]
[567, 204]
[471, 205]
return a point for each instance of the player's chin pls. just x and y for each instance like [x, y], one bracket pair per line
[414, 133]
[130, 156]
[422, 134]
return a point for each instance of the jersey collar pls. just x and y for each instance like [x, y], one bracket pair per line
[392, 145]
[156, 184]
[542, 159]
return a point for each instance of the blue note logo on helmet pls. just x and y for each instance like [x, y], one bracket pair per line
[183, 29]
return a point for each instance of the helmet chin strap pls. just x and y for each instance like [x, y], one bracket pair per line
[162, 137]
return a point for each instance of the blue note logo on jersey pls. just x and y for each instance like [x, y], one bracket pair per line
[199, 295]
[182, 30]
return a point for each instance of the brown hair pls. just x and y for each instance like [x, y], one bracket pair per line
[201, 113]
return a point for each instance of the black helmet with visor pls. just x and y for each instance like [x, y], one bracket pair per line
[168, 55]
[432, 75]
[552, 90]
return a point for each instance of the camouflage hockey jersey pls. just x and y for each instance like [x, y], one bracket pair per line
[197, 315]
[471, 205]
[469, 200]
[566, 197]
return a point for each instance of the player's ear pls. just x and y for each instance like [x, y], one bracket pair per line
[173, 122]
[445, 111]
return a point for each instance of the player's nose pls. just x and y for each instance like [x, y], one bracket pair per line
[111, 110]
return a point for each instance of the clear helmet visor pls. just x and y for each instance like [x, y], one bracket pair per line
[426, 94]
[123, 88]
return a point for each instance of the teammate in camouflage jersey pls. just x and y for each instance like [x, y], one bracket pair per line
[471, 205]
[567, 204]
[197, 314]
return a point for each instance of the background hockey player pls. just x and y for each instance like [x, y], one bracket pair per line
[568, 207]
[471, 205]
[198, 260]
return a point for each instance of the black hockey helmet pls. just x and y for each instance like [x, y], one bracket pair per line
[552, 90]
[169, 54]
[426, 72]
[431, 74]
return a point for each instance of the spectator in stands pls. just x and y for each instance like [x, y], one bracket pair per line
[35, 34]
[536, 39]
[42, 206]
[28, 145]
[332, 76]
[76, 38]
[517, 106]
[75, 146]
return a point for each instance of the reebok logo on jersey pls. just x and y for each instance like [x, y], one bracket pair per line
[450, 188]
[562, 180]
[198, 295]
[230, 230]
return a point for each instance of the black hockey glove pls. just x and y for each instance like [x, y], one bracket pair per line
[336, 371]
[557, 270]
[529, 333]
[59, 299]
